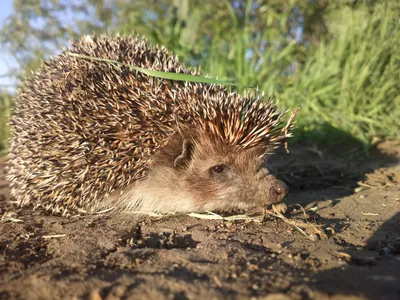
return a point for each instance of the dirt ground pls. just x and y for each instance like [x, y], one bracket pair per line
[354, 200]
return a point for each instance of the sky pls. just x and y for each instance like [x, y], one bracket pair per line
[5, 61]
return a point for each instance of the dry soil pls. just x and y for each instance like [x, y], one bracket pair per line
[351, 250]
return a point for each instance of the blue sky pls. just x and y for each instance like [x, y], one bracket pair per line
[5, 61]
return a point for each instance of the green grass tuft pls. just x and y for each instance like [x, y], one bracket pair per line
[5, 109]
[346, 86]
[352, 81]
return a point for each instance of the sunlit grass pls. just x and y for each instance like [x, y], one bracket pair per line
[5, 109]
[347, 85]
[352, 81]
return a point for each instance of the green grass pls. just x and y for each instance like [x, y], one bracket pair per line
[5, 109]
[352, 82]
[347, 85]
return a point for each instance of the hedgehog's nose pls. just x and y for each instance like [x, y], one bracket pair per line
[278, 191]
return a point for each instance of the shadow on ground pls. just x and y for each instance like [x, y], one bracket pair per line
[373, 271]
[330, 160]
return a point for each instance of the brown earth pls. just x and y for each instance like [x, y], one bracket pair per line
[355, 201]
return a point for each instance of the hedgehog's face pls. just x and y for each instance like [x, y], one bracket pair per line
[225, 178]
[229, 185]
[213, 176]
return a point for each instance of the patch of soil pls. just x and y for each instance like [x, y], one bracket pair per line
[355, 200]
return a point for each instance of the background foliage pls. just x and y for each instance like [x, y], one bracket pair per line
[338, 60]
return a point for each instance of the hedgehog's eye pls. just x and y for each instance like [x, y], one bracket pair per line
[219, 172]
[219, 168]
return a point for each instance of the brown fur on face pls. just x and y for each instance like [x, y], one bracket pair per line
[195, 173]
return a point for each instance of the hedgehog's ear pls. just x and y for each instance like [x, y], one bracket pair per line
[185, 154]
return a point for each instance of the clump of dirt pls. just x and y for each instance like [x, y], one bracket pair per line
[354, 200]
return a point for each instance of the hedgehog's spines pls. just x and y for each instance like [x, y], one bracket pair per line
[83, 128]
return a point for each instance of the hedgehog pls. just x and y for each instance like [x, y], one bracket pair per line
[88, 135]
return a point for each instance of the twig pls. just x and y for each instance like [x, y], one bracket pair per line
[54, 236]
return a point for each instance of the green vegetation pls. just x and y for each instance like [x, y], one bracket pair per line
[352, 81]
[338, 60]
[5, 109]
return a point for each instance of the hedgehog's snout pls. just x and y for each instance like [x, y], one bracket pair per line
[277, 191]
